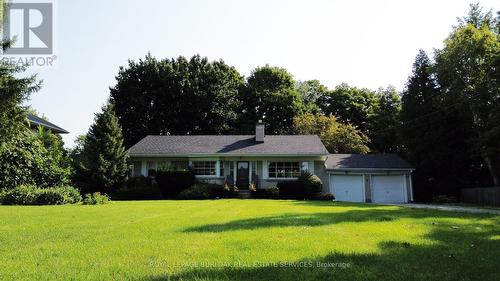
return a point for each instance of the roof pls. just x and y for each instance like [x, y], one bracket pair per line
[366, 161]
[228, 145]
[36, 121]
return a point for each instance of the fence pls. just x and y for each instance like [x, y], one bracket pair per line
[484, 196]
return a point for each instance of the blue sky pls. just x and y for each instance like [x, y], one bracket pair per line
[363, 43]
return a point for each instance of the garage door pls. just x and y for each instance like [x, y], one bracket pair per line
[347, 188]
[389, 189]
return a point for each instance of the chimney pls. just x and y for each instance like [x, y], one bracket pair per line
[259, 131]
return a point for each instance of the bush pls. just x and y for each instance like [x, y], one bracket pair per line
[202, 191]
[229, 191]
[25, 161]
[312, 183]
[138, 188]
[266, 193]
[20, 195]
[444, 199]
[171, 183]
[305, 187]
[197, 191]
[72, 194]
[291, 190]
[31, 195]
[323, 196]
[95, 198]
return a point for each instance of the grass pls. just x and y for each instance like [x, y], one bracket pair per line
[245, 240]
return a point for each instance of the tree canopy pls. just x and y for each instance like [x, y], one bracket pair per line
[176, 96]
[337, 137]
[270, 95]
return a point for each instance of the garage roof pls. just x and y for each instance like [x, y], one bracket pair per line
[366, 161]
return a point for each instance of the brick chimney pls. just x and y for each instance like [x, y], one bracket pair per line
[259, 131]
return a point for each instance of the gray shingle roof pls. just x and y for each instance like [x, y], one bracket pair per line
[232, 144]
[366, 161]
[36, 121]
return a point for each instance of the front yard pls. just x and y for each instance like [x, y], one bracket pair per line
[245, 240]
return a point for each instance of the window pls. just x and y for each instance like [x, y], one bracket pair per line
[151, 168]
[231, 170]
[254, 170]
[221, 169]
[204, 168]
[172, 165]
[163, 166]
[136, 168]
[284, 169]
[178, 165]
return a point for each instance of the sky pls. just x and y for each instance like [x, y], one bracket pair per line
[368, 44]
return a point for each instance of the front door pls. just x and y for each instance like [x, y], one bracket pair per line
[242, 175]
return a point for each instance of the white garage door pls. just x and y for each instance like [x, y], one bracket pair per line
[347, 188]
[389, 189]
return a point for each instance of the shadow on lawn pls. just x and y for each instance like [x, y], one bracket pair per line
[325, 218]
[465, 253]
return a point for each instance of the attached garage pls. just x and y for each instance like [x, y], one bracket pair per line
[389, 189]
[348, 188]
[377, 178]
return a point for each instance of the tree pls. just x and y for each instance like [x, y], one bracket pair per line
[14, 90]
[176, 96]
[468, 69]
[337, 137]
[434, 136]
[385, 120]
[310, 91]
[350, 105]
[102, 164]
[270, 95]
[24, 160]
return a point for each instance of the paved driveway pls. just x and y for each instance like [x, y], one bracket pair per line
[477, 210]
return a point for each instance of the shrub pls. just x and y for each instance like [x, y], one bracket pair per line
[291, 190]
[20, 195]
[323, 196]
[266, 193]
[72, 194]
[312, 183]
[49, 196]
[305, 187]
[95, 198]
[171, 183]
[31, 195]
[444, 199]
[229, 191]
[202, 191]
[138, 188]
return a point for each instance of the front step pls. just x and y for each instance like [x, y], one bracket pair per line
[244, 194]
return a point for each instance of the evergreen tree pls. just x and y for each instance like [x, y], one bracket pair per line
[385, 120]
[103, 163]
[434, 136]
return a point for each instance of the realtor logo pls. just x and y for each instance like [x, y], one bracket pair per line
[30, 26]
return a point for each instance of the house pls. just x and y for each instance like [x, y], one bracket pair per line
[263, 161]
[35, 122]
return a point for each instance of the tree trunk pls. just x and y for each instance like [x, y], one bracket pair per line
[493, 163]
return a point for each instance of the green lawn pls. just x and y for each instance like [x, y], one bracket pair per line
[245, 240]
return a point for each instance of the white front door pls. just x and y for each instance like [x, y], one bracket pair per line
[389, 189]
[347, 187]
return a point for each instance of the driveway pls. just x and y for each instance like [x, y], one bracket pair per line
[453, 208]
